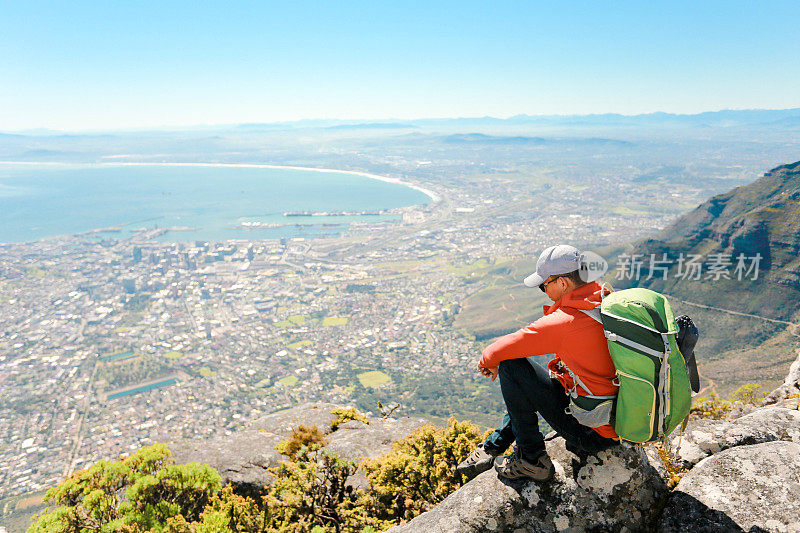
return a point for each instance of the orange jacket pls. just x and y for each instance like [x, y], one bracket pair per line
[574, 337]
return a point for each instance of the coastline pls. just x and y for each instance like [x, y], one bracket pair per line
[427, 192]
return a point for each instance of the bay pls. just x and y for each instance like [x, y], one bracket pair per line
[218, 202]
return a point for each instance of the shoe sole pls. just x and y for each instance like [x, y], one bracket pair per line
[473, 470]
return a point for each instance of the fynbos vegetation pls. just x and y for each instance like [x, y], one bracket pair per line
[310, 492]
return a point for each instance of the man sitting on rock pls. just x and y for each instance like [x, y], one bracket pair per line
[529, 390]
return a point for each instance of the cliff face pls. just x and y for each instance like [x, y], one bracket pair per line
[614, 490]
[760, 218]
[747, 310]
[767, 208]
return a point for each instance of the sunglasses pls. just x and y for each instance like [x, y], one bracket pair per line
[543, 286]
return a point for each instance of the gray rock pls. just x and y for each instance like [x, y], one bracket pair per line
[244, 457]
[355, 439]
[241, 458]
[614, 490]
[706, 437]
[307, 414]
[746, 488]
[791, 384]
[788, 403]
[740, 409]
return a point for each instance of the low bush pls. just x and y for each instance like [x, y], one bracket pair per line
[345, 415]
[311, 492]
[749, 394]
[419, 472]
[308, 437]
[711, 407]
[715, 407]
[141, 492]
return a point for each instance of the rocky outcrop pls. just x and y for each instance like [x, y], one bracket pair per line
[743, 474]
[355, 439]
[746, 488]
[745, 471]
[244, 457]
[703, 438]
[790, 387]
[615, 490]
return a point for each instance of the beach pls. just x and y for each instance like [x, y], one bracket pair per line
[429, 193]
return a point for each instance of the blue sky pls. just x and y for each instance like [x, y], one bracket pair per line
[93, 65]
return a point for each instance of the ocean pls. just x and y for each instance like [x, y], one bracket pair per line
[200, 202]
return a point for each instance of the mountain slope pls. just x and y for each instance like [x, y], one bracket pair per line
[748, 320]
[755, 227]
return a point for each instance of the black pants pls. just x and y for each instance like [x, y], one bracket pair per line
[529, 391]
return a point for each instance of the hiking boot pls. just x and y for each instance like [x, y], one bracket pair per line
[479, 461]
[515, 467]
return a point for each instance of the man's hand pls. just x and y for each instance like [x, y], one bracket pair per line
[488, 372]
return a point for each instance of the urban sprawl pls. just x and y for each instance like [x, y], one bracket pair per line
[109, 344]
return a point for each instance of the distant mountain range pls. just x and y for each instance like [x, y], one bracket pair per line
[480, 138]
[780, 118]
[769, 118]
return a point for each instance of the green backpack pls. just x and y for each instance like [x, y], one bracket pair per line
[654, 392]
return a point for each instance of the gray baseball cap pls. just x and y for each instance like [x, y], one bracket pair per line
[555, 260]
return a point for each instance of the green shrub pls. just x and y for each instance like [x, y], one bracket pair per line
[749, 393]
[716, 407]
[713, 407]
[345, 415]
[419, 472]
[147, 492]
[229, 512]
[141, 492]
[301, 437]
[312, 494]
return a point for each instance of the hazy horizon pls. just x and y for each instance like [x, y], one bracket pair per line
[377, 120]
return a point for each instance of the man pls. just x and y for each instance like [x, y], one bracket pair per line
[530, 390]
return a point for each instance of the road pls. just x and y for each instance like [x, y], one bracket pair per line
[70, 467]
[792, 326]
[712, 387]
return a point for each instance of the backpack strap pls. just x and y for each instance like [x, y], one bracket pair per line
[663, 390]
[578, 382]
[613, 337]
[603, 287]
[593, 313]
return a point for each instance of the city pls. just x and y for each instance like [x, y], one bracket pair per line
[108, 345]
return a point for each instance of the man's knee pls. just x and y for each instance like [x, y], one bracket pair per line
[520, 373]
[510, 366]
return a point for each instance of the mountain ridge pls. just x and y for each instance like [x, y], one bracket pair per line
[758, 223]
[725, 118]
